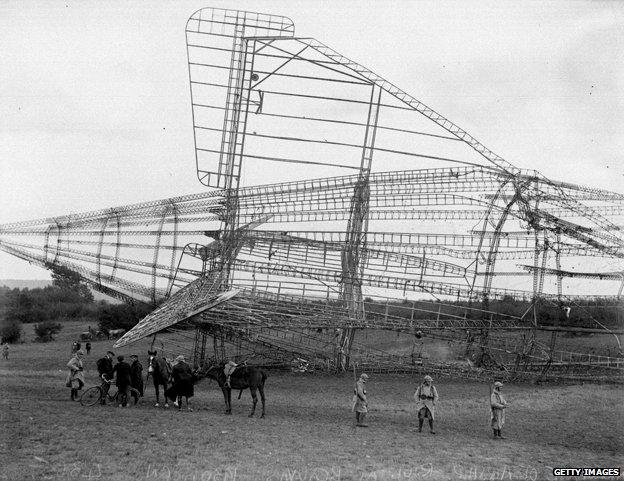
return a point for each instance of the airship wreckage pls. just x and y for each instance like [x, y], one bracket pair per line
[382, 215]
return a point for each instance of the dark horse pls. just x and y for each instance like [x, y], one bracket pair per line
[244, 377]
[159, 369]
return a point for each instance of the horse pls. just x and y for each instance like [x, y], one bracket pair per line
[244, 377]
[115, 333]
[160, 370]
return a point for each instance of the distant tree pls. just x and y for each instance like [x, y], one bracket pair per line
[45, 331]
[121, 316]
[10, 330]
[66, 279]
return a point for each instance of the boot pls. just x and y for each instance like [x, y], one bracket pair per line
[500, 435]
[357, 418]
[362, 424]
[431, 426]
[73, 395]
[420, 425]
[495, 433]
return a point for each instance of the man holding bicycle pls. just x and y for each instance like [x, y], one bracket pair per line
[105, 370]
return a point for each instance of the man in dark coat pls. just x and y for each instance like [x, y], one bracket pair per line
[183, 383]
[105, 371]
[136, 376]
[122, 380]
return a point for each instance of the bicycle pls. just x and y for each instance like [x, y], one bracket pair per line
[94, 394]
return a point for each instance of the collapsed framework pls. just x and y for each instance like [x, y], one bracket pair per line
[381, 215]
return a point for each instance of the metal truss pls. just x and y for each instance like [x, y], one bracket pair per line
[381, 214]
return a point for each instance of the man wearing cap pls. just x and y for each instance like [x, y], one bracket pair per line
[122, 380]
[136, 375]
[75, 378]
[426, 397]
[105, 371]
[498, 406]
[360, 401]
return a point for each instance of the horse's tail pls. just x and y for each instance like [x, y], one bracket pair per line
[264, 377]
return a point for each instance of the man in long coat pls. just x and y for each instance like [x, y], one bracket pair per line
[360, 401]
[75, 378]
[498, 406]
[183, 383]
[122, 380]
[426, 397]
[136, 375]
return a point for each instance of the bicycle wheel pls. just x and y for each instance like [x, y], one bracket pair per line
[91, 396]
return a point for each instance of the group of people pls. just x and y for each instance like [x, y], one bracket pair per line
[129, 375]
[182, 380]
[76, 346]
[126, 376]
[426, 397]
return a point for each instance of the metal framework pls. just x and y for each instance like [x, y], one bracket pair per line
[382, 215]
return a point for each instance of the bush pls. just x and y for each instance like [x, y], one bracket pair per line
[46, 330]
[11, 331]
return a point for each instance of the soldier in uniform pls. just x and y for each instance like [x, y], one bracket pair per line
[360, 401]
[426, 397]
[75, 377]
[498, 406]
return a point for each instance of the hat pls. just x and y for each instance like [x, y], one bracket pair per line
[498, 384]
[110, 352]
[134, 355]
[152, 353]
[364, 376]
[120, 358]
[428, 378]
[179, 359]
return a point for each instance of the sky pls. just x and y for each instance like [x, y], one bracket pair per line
[95, 105]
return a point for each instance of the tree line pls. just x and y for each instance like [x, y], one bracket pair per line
[67, 299]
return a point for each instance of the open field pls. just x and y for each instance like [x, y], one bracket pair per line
[308, 433]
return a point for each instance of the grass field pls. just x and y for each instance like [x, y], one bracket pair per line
[308, 433]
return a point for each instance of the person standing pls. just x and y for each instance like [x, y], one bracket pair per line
[228, 369]
[5, 350]
[360, 401]
[75, 377]
[88, 348]
[498, 405]
[122, 381]
[183, 383]
[426, 397]
[136, 376]
[105, 370]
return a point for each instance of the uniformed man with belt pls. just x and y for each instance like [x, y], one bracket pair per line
[426, 397]
[360, 401]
